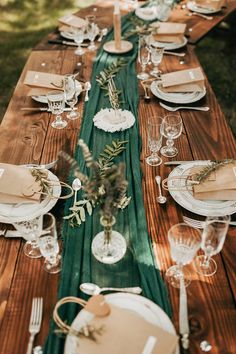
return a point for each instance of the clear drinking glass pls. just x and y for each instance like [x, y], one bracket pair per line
[48, 244]
[56, 103]
[71, 95]
[143, 57]
[171, 129]
[30, 230]
[78, 35]
[213, 238]
[92, 31]
[154, 130]
[184, 241]
[156, 59]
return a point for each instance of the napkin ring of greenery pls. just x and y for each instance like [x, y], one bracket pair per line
[87, 331]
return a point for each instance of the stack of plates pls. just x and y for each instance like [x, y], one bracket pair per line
[176, 97]
[191, 5]
[169, 45]
[146, 13]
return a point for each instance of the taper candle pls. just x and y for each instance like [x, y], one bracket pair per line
[117, 25]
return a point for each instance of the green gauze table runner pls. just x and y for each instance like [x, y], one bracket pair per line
[138, 267]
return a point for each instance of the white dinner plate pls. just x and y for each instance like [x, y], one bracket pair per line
[10, 213]
[43, 98]
[176, 97]
[69, 35]
[184, 196]
[148, 13]
[191, 5]
[169, 45]
[147, 309]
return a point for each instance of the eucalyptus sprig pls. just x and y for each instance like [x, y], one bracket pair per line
[41, 176]
[213, 166]
[110, 72]
[109, 153]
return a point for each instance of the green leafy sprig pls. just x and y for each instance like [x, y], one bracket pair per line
[213, 166]
[110, 152]
[110, 72]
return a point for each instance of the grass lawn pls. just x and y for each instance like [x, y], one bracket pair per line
[23, 23]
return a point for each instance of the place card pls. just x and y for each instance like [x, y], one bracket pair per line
[188, 80]
[72, 21]
[169, 31]
[42, 79]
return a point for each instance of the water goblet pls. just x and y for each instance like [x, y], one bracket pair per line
[213, 237]
[154, 130]
[92, 31]
[171, 129]
[143, 57]
[156, 59]
[184, 242]
[48, 244]
[56, 103]
[71, 95]
[78, 35]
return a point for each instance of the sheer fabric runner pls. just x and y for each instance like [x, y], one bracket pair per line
[138, 268]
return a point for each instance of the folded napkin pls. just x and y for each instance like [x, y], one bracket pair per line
[127, 332]
[169, 31]
[45, 80]
[210, 4]
[17, 185]
[72, 21]
[189, 80]
[220, 186]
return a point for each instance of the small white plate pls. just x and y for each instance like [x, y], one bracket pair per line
[43, 98]
[169, 45]
[191, 5]
[184, 197]
[176, 97]
[10, 213]
[147, 309]
[146, 13]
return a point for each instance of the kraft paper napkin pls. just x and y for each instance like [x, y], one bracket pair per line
[126, 332]
[72, 20]
[17, 185]
[220, 186]
[210, 4]
[45, 80]
[169, 31]
[189, 80]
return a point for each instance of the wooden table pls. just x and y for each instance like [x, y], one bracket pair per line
[28, 137]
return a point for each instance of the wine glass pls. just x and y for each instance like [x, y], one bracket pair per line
[92, 31]
[213, 238]
[171, 129]
[156, 59]
[143, 57]
[184, 241]
[48, 244]
[78, 35]
[154, 130]
[56, 103]
[71, 95]
[30, 230]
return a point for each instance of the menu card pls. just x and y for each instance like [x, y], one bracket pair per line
[188, 80]
[44, 82]
[72, 21]
[220, 186]
[169, 31]
[210, 4]
[127, 332]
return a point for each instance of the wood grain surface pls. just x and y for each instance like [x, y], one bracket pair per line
[28, 137]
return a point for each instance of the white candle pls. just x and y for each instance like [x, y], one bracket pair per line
[117, 25]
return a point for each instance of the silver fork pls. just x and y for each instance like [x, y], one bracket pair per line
[35, 321]
[200, 224]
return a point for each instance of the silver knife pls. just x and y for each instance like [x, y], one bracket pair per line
[41, 109]
[183, 315]
[170, 163]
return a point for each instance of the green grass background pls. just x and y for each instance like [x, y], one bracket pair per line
[23, 23]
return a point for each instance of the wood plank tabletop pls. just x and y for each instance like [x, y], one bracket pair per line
[28, 137]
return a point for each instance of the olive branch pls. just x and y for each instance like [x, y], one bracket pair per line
[205, 172]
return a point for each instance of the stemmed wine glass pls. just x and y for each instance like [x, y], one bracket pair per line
[156, 59]
[56, 103]
[71, 95]
[213, 237]
[171, 129]
[143, 57]
[78, 35]
[184, 241]
[92, 31]
[48, 244]
[154, 130]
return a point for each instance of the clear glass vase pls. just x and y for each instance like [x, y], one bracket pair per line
[108, 246]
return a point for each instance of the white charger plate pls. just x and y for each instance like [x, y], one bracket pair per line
[169, 45]
[146, 13]
[191, 5]
[184, 197]
[176, 97]
[43, 98]
[69, 35]
[10, 213]
[142, 306]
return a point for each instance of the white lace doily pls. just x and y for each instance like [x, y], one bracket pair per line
[112, 120]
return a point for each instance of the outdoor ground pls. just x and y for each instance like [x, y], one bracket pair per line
[23, 23]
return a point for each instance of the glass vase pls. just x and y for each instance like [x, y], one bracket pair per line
[108, 246]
